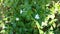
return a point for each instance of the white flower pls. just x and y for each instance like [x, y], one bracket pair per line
[56, 9]
[51, 28]
[44, 24]
[21, 11]
[36, 16]
[17, 19]
[3, 27]
[6, 21]
[51, 16]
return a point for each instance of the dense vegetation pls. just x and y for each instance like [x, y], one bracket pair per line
[29, 17]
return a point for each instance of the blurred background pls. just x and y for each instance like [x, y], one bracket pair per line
[29, 16]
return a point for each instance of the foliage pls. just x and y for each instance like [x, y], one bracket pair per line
[29, 17]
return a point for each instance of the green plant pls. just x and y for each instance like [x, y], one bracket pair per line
[29, 17]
